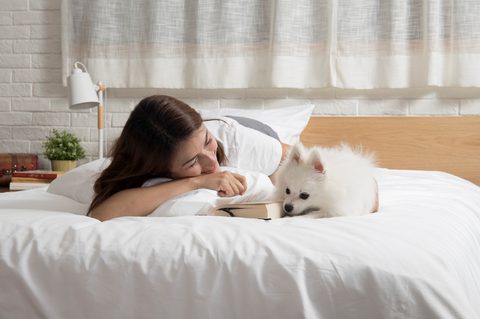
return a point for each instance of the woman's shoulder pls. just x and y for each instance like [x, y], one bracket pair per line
[245, 147]
[233, 130]
[255, 125]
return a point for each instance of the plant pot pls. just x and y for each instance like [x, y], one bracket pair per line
[63, 166]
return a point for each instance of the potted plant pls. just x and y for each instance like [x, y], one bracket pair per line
[63, 150]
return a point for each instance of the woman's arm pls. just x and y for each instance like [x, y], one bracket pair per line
[140, 201]
[144, 200]
[285, 149]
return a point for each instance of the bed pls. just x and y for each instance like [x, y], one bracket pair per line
[418, 257]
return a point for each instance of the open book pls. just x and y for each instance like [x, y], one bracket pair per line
[251, 210]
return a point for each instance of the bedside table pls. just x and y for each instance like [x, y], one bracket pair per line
[5, 190]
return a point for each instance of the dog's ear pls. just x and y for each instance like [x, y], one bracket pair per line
[296, 153]
[316, 161]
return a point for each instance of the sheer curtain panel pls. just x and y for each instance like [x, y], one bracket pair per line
[358, 44]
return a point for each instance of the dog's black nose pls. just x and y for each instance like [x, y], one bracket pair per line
[288, 208]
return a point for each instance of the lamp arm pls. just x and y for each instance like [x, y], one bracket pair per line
[99, 87]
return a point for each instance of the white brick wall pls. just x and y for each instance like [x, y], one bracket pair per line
[33, 100]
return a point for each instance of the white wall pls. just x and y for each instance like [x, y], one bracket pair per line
[33, 100]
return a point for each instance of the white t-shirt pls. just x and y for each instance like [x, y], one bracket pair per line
[244, 147]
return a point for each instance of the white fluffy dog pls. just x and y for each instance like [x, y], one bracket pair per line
[327, 182]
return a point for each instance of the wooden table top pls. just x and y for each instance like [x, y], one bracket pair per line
[5, 190]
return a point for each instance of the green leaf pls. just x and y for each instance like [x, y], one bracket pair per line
[63, 146]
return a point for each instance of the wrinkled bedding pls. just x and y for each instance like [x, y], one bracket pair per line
[418, 257]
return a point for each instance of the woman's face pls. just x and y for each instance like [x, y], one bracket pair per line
[196, 156]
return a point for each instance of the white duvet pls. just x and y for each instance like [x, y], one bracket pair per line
[418, 257]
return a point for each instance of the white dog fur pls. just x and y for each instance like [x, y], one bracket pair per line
[327, 182]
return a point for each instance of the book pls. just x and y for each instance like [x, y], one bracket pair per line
[31, 180]
[25, 186]
[251, 210]
[38, 174]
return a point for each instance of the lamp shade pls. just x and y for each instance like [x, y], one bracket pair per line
[81, 91]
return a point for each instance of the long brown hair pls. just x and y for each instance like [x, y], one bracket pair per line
[151, 136]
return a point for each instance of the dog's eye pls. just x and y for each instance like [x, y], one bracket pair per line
[287, 191]
[304, 195]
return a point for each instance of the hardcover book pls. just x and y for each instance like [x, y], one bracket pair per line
[25, 186]
[251, 210]
[31, 180]
[38, 174]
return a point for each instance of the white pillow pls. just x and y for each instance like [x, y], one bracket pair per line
[77, 184]
[203, 201]
[288, 122]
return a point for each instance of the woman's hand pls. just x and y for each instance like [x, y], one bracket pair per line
[226, 183]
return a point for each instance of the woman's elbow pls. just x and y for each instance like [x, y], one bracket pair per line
[112, 209]
[104, 212]
[99, 215]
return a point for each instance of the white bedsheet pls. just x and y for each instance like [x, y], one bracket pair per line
[418, 257]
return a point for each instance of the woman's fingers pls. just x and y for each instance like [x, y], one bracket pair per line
[231, 190]
[232, 186]
[238, 184]
[241, 181]
[241, 186]
[227, 184]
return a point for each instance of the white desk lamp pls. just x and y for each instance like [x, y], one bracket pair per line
[82, 95]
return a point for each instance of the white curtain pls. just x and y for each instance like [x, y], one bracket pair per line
[358, 44]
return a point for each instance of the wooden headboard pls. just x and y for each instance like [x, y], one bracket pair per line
[448, 144]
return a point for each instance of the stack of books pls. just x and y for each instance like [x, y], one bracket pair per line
[33, 179]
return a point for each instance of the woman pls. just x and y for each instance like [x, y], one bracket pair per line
[163, 137]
